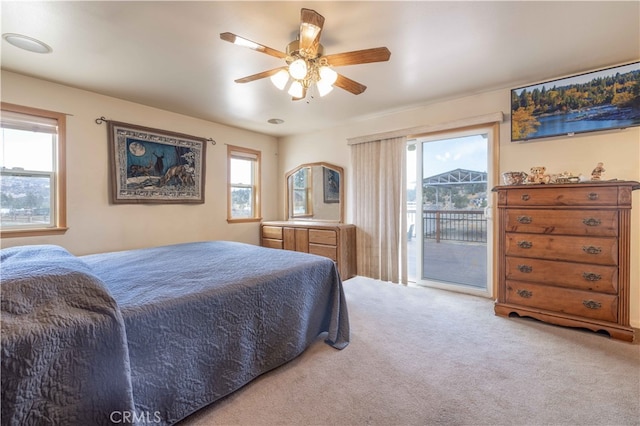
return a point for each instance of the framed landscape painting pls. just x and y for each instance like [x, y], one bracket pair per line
[600, 100]
[155, 166]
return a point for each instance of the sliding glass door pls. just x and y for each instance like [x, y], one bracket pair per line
[449, 210]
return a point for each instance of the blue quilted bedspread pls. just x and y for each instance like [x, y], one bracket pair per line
[64, 349]
[200, 319]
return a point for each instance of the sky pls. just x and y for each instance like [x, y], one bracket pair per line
[469, 152]
[27, 150]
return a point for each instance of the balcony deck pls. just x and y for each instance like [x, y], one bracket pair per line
[461, 263]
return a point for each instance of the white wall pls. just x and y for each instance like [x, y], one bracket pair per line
[95, 225]
[618, 150]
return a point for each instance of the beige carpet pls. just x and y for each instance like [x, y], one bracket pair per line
[422, 356]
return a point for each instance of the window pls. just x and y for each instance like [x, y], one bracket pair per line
[243, 199]
[32, 172]
[302, 184]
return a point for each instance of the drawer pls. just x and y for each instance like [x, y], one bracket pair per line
[327, 251]
[271, 243]
[323, 236]
[272, 232]
[581, 276]
[549, 196]
[601, 250]
[571, 222]
[598, 306]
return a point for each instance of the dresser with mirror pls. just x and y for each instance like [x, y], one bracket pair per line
[314, 208]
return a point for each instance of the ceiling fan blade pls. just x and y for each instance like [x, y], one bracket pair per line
[241, 41]
[260, 75]
[377, 54]
[349, 85]
[311, 23]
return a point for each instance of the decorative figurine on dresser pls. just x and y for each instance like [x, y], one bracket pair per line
[564, 254]
[597, 173]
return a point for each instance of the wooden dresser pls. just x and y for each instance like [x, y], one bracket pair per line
[564, 254]
[336, 241]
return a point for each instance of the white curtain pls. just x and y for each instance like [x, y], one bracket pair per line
[379, 208]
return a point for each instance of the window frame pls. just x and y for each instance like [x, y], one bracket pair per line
[237, 152]
[307, 191]
[59, 193]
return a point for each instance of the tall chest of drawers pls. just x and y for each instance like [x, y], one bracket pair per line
[336, 241]
[564, 254]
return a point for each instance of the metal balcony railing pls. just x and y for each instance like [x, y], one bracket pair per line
[455, 225]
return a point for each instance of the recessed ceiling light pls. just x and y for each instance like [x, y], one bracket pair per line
[27, 43]
[275, 121]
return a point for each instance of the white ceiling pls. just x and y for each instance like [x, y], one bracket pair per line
[168, 54]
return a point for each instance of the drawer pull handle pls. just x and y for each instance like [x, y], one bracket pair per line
[525, 197]
[593, 196]
[525, 244]
[590, 276]
[592, 304]
[592, 250]
[524, 219]
[591, 221]
[525, 269]
[524, 293]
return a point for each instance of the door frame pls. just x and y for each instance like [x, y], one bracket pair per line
[493, 144]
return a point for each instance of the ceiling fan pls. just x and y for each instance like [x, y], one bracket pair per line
[307, 66]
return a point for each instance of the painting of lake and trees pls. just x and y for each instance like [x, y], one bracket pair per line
[601, 100]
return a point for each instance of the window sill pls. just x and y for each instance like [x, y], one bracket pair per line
[245, 220]
[13, 233]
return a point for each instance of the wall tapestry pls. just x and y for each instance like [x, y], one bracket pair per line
[155, 166]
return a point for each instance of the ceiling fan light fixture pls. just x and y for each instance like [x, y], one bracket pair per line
[323, 88]
[280, 79]
[307, 66]
[296, 89]
[327, 75]
[298, 69]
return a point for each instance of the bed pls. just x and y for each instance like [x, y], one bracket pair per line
[152, 335]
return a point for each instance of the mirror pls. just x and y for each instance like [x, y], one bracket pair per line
[315, 192]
